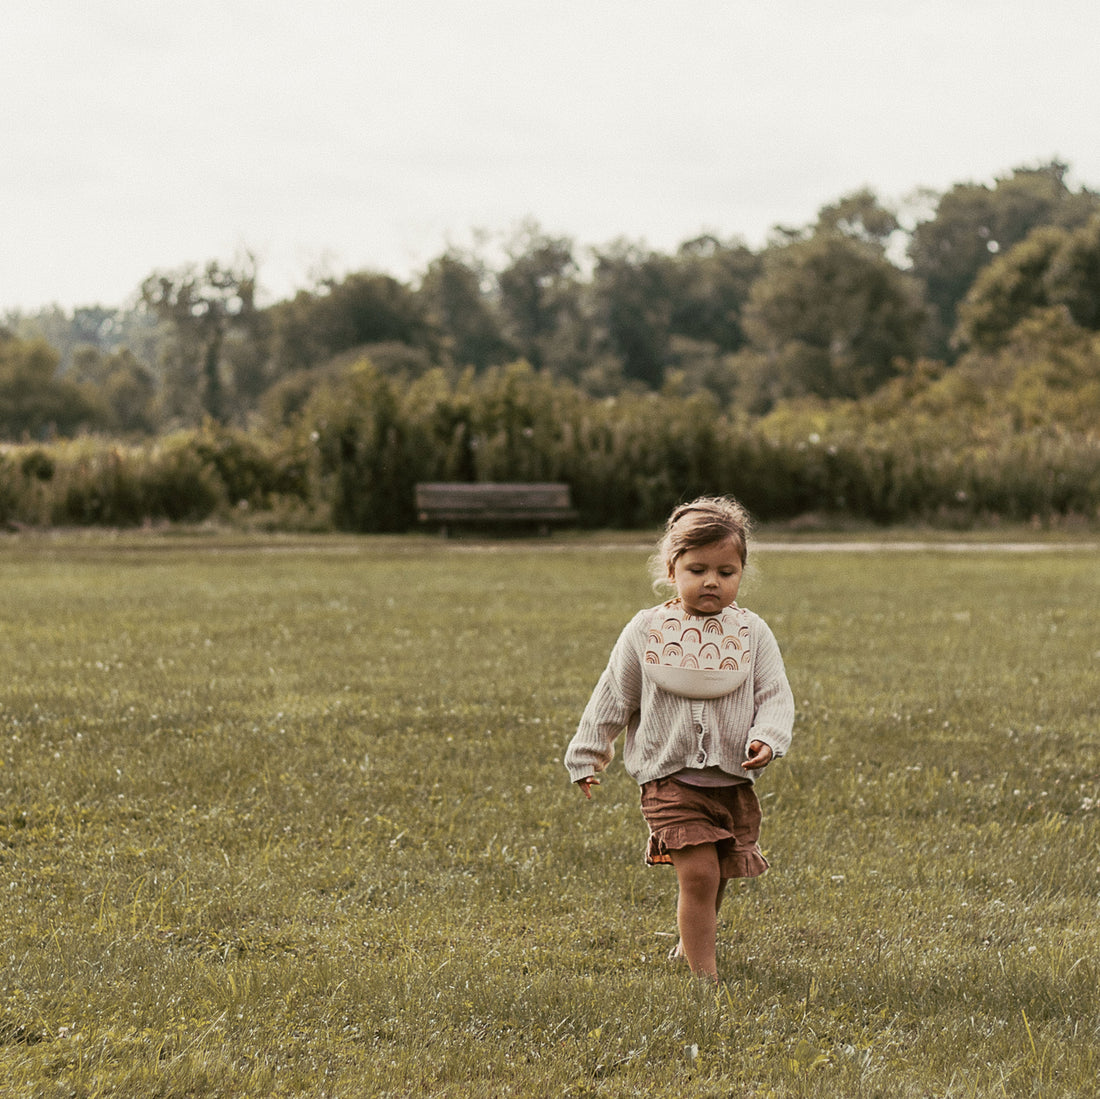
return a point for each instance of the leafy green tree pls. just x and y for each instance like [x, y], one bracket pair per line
[540, 301]
[205, 312]
[973, 223]
[710, 287]
[298, 341]
[830, 316]
[365, 314]
[861, 216]
[1073, 277]
[659, 317]
[365, 308]
[1052, 267]
[460, 307]
[54, 326]
[125, 387]
[1007, 290]
[94, 326]
[632, 294]
[34, 402]
[1053, 369]
[130, 392]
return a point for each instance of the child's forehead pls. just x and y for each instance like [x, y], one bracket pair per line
[729, 545]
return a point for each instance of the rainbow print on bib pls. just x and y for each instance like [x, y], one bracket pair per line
[697, 656]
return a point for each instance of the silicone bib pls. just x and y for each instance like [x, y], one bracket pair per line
[697, 656]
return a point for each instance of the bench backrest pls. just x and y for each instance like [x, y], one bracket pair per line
[492, 499]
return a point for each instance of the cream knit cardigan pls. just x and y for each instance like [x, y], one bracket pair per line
[666, 733]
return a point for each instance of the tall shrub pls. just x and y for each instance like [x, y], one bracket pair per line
[366, 461]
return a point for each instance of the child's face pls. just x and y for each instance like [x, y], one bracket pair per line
[707, 578]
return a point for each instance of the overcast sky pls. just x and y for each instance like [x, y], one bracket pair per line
[340, 135]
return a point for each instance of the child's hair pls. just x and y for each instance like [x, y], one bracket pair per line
[704, 521]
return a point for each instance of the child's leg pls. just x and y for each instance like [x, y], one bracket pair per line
[677, 952]
[722, 883]
[701, 888]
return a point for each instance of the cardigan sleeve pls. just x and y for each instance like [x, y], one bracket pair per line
[615, 702]
[773, 700]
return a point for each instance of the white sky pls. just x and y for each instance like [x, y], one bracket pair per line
[337, 135]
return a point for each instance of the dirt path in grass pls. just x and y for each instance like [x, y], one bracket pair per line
[120, 543]
[459, 545]
[913, 546]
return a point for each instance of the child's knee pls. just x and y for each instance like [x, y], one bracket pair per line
[698, 872]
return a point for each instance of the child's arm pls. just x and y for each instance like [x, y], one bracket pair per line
[613, 703]
[593, 745]
[773, 701]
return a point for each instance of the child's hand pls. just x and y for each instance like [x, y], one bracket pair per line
[760, 755]
[586, 785]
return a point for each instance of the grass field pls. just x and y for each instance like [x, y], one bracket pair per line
[288, 818]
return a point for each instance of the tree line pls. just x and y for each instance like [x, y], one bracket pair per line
[921, 358]
[954, 449]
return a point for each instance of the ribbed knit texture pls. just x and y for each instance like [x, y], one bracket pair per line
[666, 733]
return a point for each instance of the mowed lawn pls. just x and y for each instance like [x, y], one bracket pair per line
[287, 817]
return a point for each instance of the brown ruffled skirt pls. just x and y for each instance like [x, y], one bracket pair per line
[680, 815]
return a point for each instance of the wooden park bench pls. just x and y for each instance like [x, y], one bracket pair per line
[494, 504]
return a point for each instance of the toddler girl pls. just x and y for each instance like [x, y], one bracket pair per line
[698, 684]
